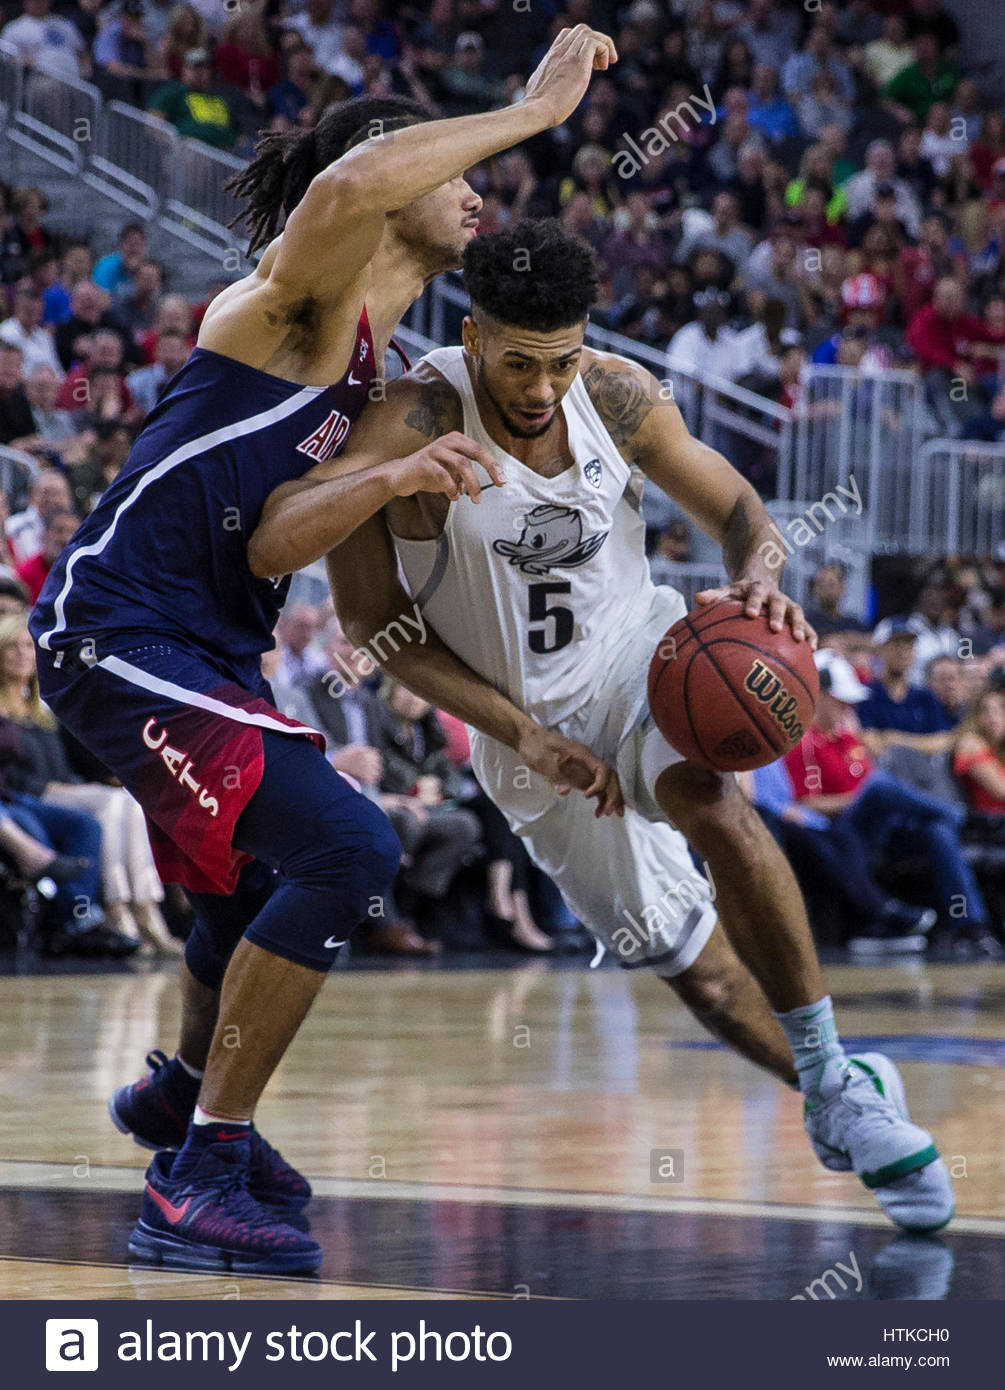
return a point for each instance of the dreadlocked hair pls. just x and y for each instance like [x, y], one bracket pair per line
[285, 162]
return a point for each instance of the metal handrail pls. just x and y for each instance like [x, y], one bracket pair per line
[134, 161]
[56, 117]
[962, 506]
[127, 155]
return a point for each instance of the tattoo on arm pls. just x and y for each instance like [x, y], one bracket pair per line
[737, 538]
[619, 398]
[437, 410]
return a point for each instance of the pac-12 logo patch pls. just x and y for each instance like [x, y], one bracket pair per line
[594, 472]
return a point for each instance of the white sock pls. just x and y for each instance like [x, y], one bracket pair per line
[197, 1075]
[203, 1117]
[819, 1058]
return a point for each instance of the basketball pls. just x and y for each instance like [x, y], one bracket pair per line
[728, 692]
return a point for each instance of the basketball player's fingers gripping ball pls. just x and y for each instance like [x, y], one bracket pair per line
[727, 692]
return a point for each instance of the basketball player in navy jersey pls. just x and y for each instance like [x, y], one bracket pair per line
[150, 629]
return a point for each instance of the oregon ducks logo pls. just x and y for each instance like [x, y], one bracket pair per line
[551, 538]
[768, 689]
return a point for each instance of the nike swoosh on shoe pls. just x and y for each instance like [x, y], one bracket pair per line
[171, 1213]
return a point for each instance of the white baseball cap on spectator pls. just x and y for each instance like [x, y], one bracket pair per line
[838, 678]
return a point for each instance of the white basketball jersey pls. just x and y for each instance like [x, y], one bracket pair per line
[544, 586]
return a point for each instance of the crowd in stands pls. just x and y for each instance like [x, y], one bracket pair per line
[765, 183]
[901, 778]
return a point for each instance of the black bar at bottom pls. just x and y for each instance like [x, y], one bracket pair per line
[518, 1343]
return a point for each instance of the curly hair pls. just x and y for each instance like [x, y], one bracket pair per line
[285, 162]
[532, 275]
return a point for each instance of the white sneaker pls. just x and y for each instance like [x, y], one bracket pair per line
[865, 1128]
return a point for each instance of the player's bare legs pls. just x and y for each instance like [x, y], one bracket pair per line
[200, 1006]
[263, 1002]
[756, 891]
[726, 999]
[234, 1038]
[241, 1034]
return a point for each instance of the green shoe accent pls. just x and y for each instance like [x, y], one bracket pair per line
[892, 1171]
[872, 1074]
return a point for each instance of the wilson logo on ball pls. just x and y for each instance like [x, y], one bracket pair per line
[768, 689]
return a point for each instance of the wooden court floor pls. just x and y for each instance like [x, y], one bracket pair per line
[498, 1132]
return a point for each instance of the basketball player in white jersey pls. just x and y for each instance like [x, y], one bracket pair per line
[541, 620]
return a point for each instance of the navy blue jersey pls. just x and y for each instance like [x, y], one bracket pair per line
[165, 550]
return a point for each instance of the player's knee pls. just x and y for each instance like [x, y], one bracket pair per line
[707, 806]
[350, 866]
[714, 999]
[710, 994]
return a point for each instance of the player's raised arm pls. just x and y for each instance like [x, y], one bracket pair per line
[336, 218]
[407, 443]
[648, 428]
[369, 597]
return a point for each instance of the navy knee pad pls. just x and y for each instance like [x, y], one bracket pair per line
[327, 888]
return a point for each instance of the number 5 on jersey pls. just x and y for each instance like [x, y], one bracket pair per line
[549, 620]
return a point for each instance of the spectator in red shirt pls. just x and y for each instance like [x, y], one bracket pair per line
[989, 148]
[831, 771]
[994, 194]
[942, 335]
[76, 392]
[832, 763]
[987, 362]
[172, 312]
[31, 205]
[246, 59]
[919, 267]
[59, 531]
[979, 754]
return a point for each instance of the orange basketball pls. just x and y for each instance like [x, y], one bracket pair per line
[729, 693]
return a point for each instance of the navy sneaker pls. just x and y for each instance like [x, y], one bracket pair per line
[272, 1180]
[156, 1111]
[207, 1219]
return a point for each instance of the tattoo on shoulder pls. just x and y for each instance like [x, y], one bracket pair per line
[620, 399]
[437, 411]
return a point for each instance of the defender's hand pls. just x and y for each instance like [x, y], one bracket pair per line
[568, 764]
[755, 595]
[446, 465]
[561, 78]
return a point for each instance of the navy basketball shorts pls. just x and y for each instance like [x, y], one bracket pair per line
[184, 739]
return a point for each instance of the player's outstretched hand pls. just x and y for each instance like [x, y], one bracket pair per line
[446, 465]
[758, 594]
[569, 766]
[561, 78]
